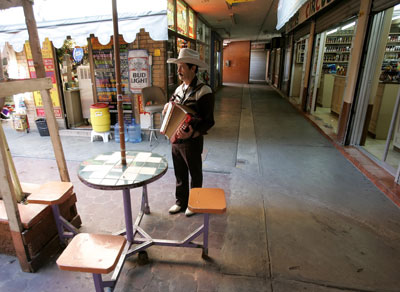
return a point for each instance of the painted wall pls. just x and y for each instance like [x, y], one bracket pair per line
[238, 55]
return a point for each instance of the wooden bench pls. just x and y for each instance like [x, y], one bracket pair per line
[29, 188]
[54, 194]
[206, 201]
[30, 214]
[93, 253]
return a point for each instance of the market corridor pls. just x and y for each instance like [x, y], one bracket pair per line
[300, 217]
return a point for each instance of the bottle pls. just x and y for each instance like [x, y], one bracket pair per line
[134, 132]
[116, 132]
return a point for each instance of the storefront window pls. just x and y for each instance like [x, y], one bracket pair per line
[171, 14]
[298, 69]
[191, 24]
[207, 33]
[181, 10]
[330, 63]
[378, 110]
[200, 30]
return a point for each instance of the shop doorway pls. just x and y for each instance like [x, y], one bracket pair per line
[298, 69]
[377, 123]
[257, 65]
[329, 73]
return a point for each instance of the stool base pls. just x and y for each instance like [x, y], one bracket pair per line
[103, 135]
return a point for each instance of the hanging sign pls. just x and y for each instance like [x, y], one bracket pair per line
[312, 7]
[77, 53]
[49, 66]
[139, 70]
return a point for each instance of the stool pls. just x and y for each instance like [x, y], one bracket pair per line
[207, 201]
[153, 99]
[53, 194]
[103, 135]
[29, 188]
[154, 109]
[93, 253]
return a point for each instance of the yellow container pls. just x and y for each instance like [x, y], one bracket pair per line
[100, 117]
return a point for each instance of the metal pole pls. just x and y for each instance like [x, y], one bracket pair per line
[128, 214]
[118, 83]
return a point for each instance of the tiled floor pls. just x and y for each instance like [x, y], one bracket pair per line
[305, 220]
[377, 148]
[329, 119]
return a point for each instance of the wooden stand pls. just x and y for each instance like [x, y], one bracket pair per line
[31, 243]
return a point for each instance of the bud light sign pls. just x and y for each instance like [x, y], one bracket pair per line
[139, 73]
[77, 53]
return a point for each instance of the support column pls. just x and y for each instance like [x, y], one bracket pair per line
[354, 65]
[308, 66]
[47, 103]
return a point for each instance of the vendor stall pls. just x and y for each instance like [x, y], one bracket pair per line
[23, 224]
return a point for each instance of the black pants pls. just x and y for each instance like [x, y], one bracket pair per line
[186, 156]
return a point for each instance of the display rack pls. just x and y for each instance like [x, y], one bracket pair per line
[337, 52]
[390, 71]
[300, 51]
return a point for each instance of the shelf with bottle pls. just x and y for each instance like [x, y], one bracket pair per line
[392, 56]
[337, 49]
[338, 68]
[339, 39]
[392, 48]
[301, 47]
[336, 58]
[393, 38]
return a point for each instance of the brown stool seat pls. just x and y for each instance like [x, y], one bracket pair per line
[29, 188]
[30, 214]
[92, 253]
[207, 200]
[51, 193]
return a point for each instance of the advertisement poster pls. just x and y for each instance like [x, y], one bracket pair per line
[139, 70]
[48, 61]
[103, 58]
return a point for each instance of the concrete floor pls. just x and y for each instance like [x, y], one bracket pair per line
[300, 217]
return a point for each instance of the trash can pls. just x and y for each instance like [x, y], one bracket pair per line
[100, 117]
[41, 124]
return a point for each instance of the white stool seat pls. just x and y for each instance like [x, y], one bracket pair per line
[103, 135]
[157, 108]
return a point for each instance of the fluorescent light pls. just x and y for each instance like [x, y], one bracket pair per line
[349, 25]
[396, 17]
[332, 31]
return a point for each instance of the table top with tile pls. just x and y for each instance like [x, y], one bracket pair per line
[106, 172]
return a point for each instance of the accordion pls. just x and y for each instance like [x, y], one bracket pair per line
[176, 116]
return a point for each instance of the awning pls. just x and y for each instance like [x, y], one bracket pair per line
[286, 9]
[79, 18]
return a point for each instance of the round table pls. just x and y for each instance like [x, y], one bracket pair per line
[105, 172]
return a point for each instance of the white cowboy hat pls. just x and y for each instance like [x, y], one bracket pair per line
[189, 56]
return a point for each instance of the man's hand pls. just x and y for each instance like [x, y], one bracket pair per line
[182, 134]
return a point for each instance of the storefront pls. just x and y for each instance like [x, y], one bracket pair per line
[298, 68]
[275, 65]
[351, 84]
[329, 67]
[82, 67]
[375, 126]
[187, 30]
